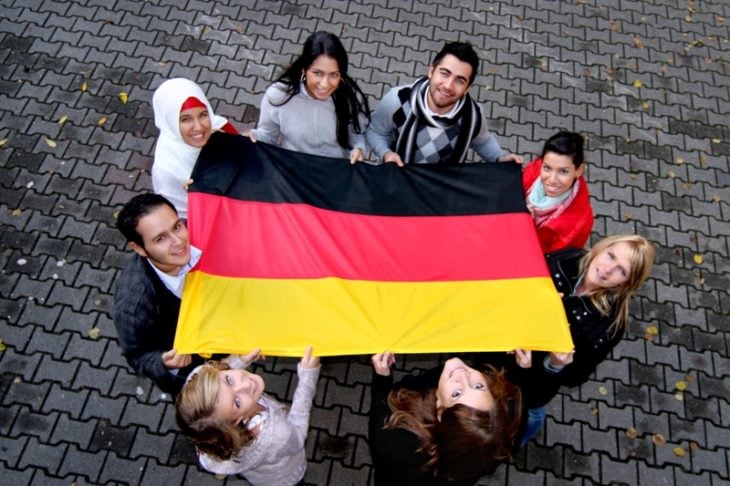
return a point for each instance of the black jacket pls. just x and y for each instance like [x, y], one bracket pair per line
[145, 316]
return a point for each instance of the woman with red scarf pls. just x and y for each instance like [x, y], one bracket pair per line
[557, 194]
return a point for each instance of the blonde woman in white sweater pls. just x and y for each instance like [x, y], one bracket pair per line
[237, 429]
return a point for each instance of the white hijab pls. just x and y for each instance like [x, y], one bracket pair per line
[174, 159]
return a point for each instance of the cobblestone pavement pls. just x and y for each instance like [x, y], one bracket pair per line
[647, 81]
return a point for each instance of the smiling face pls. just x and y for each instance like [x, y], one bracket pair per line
[461, 384]
[195, 126]
[558, 173]
[164, 240]
[238, 395]
[610, 268]
[322, 77]
[448, 81]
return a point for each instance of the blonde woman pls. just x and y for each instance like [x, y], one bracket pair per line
[238, 429]
[596, 287]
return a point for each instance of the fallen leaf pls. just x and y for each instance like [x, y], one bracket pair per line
[94, 333]
[679, 397]
[637, 43]
[687, 186]
[679, 452]
[716, 140]
[693, 446]
[628, 215]
[614, 26]
[84, 87]
[698, 43]
[689, 379]
[50, 142]
[124, 97]
[102, 121]
[679, 160]
[220, 477]
[594, 411]
[645, 105]
[632, 433]
[720, 18]
[63, 119]
[3, 141]
[16, 212]
[239, 29]
[672, 174]
[603, 390]
[658, 439]
[638, 83]
[2, 346]
[698, 259]
[652, 330]
[17, 380]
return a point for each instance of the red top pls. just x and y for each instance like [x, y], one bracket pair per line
[570, 229]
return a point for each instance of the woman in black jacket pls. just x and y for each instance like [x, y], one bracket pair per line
[596, 288]
[449, 426]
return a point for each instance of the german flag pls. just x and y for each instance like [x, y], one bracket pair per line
[303, 250]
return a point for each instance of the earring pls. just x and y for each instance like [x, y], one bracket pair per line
[304, 78]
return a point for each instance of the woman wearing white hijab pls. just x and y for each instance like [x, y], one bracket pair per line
[186, 121]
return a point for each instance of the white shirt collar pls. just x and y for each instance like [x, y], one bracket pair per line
[175, 283]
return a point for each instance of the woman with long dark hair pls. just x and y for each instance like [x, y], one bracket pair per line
[449, 426]
[315, 107]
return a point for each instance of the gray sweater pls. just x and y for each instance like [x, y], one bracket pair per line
[276, 456]
[304, 124]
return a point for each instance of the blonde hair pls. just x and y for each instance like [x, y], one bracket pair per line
[194, 409]
[641, 256]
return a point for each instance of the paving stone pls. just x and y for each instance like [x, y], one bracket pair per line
[33, 424]
[98, 406]
[68, 429]
[142, 414]
[118, 469]
[42, 455]
[152, 445]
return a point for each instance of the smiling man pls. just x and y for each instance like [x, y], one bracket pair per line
[149, 288]
[434, 120]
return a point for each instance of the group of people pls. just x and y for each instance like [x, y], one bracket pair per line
[451, 425]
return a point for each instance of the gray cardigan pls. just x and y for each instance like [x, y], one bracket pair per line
[277, 455]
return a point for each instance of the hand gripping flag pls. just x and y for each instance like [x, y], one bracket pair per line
[303, 250]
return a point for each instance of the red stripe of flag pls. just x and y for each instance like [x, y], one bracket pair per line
[281, 240]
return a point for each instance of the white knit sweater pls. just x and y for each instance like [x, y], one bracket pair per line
[276, 456]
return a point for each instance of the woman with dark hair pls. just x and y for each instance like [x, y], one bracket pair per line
[596, 288]
[315, 107]
[448, 426]
[557, 194]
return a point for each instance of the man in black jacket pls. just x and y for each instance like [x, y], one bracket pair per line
[149, 288]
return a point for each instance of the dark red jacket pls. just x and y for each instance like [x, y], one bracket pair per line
[570, 229]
